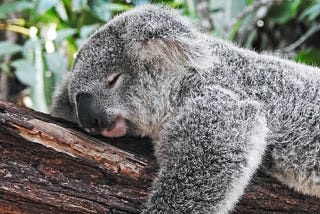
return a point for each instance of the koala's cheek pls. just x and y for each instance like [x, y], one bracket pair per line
[119, 130]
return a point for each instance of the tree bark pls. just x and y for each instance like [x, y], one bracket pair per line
[48, 165]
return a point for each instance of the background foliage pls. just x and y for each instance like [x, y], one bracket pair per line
[40, 38]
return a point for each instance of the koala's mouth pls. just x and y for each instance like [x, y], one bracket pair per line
[117, 128]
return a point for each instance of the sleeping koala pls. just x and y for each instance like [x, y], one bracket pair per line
[210, 108]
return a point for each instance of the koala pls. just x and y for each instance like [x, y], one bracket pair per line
[215, 112]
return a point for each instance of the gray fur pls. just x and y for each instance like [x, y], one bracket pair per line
[210, 107]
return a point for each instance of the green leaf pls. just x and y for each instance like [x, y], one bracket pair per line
[80, 41]
[28, 48]
[7, 8]
[235, 29]
[311, 13]
[250, 39]
[38, 89]
[48, 86]
[177, 4]
[104, 10]
[48, 17]
[78, 5]
[115, 7]
[24, 71]
[4, 67]
[282, 13]
[310, 57]
[226, 10]
[85, 31]
[65, 33]
[71, 50]
[189, 9]
[57, 64]
[61, 11]
[249, 2]
[44, 5]
[141, 2]
[9, 48]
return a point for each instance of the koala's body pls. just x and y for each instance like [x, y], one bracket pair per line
[213, 110]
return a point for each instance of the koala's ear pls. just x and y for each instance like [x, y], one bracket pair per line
[161, 35]
[165, 49]
[186, 52]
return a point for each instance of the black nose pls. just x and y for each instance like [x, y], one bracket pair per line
[90, 114]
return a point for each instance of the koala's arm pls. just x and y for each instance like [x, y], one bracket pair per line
[61, 106]
[207, 154]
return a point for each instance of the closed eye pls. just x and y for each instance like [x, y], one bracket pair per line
[113, 81]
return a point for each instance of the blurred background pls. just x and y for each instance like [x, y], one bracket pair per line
[40, 38]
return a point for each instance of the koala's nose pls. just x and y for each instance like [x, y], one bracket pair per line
[90, 115]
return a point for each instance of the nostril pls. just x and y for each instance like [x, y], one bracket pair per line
[88, 112]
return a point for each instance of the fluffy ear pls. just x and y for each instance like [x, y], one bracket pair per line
[161, 35]
[169, 51]
[184, 52]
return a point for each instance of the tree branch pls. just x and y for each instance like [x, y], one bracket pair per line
[313, 30]
[50, 166]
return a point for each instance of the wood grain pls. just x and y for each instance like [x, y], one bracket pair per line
[48, 165]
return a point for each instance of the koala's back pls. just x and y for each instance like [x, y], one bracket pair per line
[290, 94]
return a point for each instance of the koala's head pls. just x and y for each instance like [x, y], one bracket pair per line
[125, 73]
